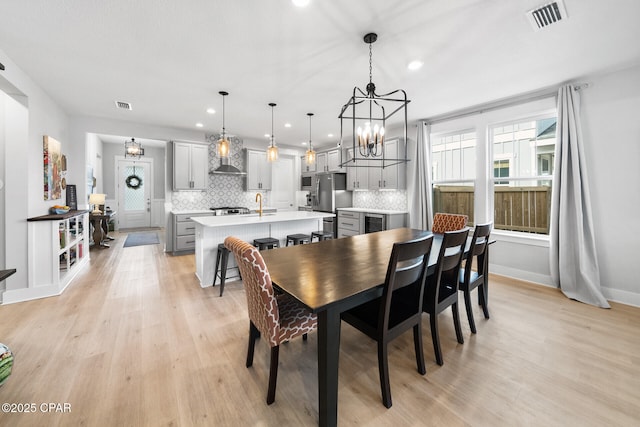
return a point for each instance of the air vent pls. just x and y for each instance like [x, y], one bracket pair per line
[546, 15]
[123, 105]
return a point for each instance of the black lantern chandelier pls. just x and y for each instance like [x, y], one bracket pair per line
[272, 151]
[369, 112]
[133, 149]
[310, 155]
[223, 142]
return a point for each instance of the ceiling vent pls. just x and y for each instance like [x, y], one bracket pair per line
[547, 14]
[124, 105]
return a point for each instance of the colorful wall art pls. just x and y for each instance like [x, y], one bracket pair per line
[52, 158]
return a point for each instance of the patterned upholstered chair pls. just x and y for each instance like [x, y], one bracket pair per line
[276, 317]
[443, 222]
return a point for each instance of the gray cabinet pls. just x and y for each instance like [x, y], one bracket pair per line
[328, 161]
[349, 223]
[305, 167]
[357, 176]
[190, 166]
[258, 171]
[390, 177]
[184, 232]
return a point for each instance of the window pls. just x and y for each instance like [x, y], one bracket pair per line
[523, 155]
[454, 172]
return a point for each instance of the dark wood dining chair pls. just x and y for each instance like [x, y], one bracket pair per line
[276, 317]
[443, 222]
[441, 290]
[400, 307]
[470, 279]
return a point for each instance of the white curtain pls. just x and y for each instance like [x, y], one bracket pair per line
[574, 263]
[419, 179]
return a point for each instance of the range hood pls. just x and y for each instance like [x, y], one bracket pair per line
[226, 169]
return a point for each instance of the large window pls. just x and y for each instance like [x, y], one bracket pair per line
[453, 158]
[523, 154]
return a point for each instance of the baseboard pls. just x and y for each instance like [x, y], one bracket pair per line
[623, 297]
[528, 276]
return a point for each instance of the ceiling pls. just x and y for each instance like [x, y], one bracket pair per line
[170, 59]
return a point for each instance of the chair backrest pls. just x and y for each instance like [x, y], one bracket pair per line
[478, 249]
[450, 259]
[407, 266]
[443, 222]
[261, 301]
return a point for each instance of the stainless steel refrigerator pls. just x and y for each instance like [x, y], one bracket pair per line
[330, 193]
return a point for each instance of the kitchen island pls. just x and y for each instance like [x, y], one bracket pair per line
[212, 230]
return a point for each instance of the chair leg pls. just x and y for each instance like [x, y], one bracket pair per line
[483, 297]
[417, 342]
[273, 375]
[253, 334]
[215, 270]
[435, 337]
[467, 304]
[383, 369]
[304, 337]
[456, 322]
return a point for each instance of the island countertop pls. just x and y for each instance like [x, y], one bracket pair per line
[266, 218]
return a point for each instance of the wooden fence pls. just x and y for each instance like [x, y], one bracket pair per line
[515, 208]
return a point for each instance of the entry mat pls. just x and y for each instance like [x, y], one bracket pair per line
[141, 239]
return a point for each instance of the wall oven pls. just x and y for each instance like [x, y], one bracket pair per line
[374, 222]
[307, 181]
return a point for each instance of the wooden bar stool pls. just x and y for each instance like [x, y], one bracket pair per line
[298, 239]
[266, 243]
[222, 261]
[322, 235]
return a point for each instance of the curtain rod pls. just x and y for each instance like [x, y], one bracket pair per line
[536, 95]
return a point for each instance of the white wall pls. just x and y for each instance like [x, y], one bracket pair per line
[611, 127]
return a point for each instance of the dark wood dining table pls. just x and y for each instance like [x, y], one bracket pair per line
[330, 277]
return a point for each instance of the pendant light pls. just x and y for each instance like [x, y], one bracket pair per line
[272, 151]
[369, 126]
[223, 142]
[310, 155]
[133, 149]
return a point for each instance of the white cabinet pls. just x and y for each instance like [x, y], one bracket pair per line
[307, 167]
[328, 161]
[390, 177]
[357, 175]
[58, 248]
[321, 162]
[258, 171]
[190, 166]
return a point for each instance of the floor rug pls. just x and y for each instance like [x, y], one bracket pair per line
[141, 239]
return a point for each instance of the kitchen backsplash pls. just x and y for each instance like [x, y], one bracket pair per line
[223, 190]
[387, 200]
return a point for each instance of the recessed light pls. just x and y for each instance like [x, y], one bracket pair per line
[267, 135]
[330, 135]
[211, 111]
[304, 142]
[287, 125]
[199, 125]
[301, 3]
[415, 65]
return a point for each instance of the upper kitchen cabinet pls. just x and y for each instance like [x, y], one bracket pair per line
[390, 177]
[258, 171]
[305, 167]
[328, 161]
[357, 176]
[190, 166]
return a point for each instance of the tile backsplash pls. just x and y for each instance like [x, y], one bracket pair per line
[387, 200]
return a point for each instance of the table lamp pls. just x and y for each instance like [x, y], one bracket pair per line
[96, 200]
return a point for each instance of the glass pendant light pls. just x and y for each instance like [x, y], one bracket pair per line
[310, 155]
[272, 151]
[223, 142]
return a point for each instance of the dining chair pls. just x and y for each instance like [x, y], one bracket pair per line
[448, 222]
[469, 279]
[400, 307]
[277, 317]
[441, 290]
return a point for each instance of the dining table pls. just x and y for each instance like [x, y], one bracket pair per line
[333, 276]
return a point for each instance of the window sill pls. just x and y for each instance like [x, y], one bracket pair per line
[521, 238]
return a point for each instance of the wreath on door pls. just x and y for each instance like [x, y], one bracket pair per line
[133, 181]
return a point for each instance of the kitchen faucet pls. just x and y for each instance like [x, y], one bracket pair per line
[259, 198]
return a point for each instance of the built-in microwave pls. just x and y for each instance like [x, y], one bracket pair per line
[307, 181]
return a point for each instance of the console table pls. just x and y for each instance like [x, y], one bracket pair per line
[101, 227]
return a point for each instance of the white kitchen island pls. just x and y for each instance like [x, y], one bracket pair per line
[212, 230]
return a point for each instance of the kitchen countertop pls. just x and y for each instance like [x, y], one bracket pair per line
[228, 220]
[376, 211]
[192, 211]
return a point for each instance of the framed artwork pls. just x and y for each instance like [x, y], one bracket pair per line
[52, 162]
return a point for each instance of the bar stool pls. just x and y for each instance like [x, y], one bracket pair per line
[266, 243]
[222, 260]
[298, 239]
[322, 235]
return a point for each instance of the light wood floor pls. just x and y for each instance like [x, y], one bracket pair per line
[135, 341]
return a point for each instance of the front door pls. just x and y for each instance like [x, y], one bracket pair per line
[135, 181]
